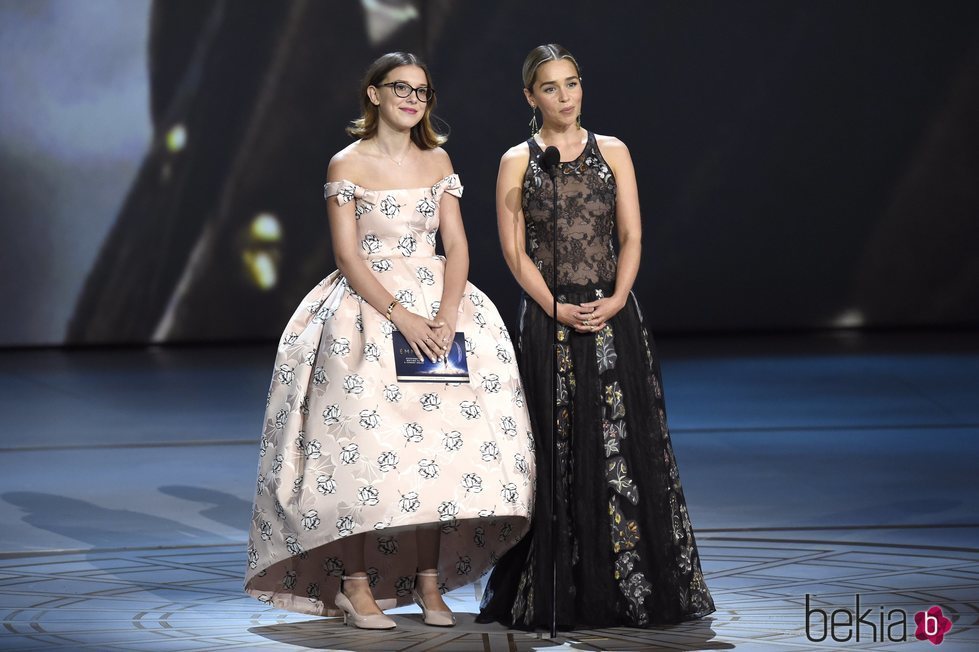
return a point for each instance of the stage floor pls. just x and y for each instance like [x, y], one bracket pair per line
[836, 466]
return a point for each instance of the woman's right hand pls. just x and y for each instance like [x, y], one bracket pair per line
[572, 315]
[419, 332]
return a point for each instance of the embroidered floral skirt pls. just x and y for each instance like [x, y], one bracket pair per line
[624, 546]
[349, 450]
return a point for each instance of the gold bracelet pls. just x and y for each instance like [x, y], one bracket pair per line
[391, 309]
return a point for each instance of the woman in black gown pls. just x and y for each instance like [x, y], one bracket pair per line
[625, 550]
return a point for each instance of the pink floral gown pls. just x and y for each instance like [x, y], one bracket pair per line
[347, 449]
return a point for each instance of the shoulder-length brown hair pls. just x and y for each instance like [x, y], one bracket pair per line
[422, 134]
[541, 55]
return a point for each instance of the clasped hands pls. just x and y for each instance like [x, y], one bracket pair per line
[589, 317]
[428, 338]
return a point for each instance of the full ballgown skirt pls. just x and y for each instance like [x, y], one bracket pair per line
[348, 450]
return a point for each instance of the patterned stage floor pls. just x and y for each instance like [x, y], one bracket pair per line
[811, 466]
[188, 599]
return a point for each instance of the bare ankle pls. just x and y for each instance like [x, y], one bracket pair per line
[427, 582]
[355, 584]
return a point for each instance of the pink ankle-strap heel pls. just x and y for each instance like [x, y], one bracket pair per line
[430, 617]
[350, 615]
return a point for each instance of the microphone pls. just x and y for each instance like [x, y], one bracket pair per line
[550, 159]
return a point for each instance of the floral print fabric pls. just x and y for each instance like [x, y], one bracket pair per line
[621, 540]
[346, 449]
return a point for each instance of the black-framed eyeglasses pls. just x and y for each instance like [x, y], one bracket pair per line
[403, 89]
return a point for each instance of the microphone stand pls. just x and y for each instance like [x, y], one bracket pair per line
[551, 161]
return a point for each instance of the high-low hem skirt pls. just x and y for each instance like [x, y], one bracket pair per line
[348, 450]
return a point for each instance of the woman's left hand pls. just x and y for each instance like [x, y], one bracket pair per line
[446, 332]
[599, 312]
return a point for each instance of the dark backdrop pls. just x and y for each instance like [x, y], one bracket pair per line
[801, 164]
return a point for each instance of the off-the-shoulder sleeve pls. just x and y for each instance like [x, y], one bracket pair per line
[450, 184]
[346, 191]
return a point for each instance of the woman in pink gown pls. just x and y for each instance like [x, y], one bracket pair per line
[370, 489]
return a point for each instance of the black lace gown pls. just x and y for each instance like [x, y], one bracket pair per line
[625, 550]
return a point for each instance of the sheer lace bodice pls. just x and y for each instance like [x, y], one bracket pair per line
[617, 535]
[585, 217]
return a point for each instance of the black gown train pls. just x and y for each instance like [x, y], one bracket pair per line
[626, 553]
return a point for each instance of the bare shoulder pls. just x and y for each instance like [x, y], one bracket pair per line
[612, 147]
[615, 153]
[438, 158]
[346, 163]
[438, 154]
[513, 165]
[516, 156]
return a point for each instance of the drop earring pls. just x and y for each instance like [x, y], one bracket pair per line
[578, 121]
[533, 121]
